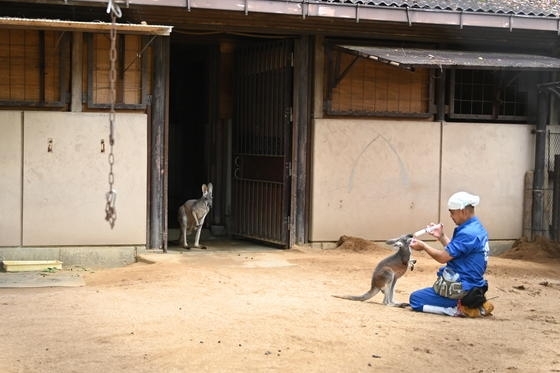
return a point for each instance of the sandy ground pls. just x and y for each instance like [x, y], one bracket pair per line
[272, 310]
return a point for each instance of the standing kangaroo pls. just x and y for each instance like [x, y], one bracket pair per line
[192, 213]
[387, 272]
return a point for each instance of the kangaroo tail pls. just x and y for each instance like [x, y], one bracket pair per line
[360, 298]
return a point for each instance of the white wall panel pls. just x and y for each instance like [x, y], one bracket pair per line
[10, 177]
[64, 189]
[373, 178]
[489, 160]
[377, 179]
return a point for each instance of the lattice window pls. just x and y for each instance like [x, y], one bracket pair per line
[134, 65]
[362, 87]
[491, 95]
[34, 68]
[553, 146]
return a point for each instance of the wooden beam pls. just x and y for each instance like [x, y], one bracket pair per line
[77, 71]
[301, 126]
[55, 24]
[158, 163]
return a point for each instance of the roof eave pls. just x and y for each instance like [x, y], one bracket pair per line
[410, 16]
[413, 16]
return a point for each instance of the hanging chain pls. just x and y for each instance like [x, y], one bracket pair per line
[111, 195]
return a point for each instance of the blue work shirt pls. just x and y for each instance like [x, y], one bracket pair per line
[469, 248]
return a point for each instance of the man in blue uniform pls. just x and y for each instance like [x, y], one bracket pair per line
[460, 287]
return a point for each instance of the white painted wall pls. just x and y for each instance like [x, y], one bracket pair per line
[10, 177]
[64, 190]
[489, 160]
[372, 178]
[378, 179]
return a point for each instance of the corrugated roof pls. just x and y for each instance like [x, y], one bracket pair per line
[413, 57]
[540, 8]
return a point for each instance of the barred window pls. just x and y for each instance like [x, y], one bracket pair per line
[133, 65]
[491, 95]
[36, 65]
[35, 68]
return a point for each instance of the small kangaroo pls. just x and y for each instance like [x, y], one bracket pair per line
[388, 271]
[191, 215]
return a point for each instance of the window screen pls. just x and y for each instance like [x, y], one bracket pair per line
[362, 87]
[491, 95]
[133, 65]
[34, 68]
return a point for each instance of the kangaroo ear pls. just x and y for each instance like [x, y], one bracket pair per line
[204, 188]
[391, 241]
[210, 187]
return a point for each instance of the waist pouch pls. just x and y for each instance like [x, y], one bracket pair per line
[448, 289]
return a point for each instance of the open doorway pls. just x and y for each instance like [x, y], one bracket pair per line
[188, 127]
[230, 106]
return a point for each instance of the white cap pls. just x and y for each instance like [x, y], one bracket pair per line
[460, 200]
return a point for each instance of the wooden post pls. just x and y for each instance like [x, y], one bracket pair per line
[158, 162]
[440, 89]
[77, 71]
[302, 92]
[555, 234]
[538, 228]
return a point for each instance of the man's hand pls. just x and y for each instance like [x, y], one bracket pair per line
[436, 230]
[417, 245]
[441, 256]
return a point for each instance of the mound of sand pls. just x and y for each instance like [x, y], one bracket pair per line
[537, 250]
[357, 244]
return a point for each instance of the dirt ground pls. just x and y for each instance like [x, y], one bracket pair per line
[272, 310]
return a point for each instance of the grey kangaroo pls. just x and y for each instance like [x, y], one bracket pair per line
[192, 213]
[387, 272]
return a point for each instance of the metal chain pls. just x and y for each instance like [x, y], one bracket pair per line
[111, 195]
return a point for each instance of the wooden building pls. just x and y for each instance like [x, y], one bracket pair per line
[312, 119]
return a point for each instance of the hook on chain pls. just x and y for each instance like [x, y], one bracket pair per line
[110, 209]
[113, 7]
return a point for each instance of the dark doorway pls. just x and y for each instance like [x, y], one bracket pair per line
[188, 123]
[238, 136]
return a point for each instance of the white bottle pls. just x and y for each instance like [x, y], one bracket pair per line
[426, 230]
[450, 275]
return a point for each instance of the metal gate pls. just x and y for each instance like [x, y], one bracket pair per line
[262, 145]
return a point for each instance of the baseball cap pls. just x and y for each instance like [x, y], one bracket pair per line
[460, 200]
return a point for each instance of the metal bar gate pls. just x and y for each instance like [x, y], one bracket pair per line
[262, 142]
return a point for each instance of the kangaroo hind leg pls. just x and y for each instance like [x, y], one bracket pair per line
[198, 230]
[389, 292]
[182, 217]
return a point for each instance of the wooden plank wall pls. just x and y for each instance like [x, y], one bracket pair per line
[371, 86]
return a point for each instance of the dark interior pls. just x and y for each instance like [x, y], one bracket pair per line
[188, 118]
